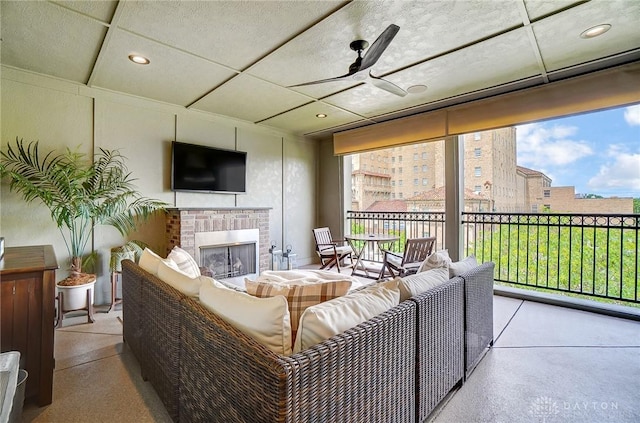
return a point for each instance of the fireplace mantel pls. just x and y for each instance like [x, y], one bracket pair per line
[182, 223]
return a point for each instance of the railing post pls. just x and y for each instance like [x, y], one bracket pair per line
[453, 176]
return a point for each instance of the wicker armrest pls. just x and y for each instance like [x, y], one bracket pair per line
[440, 344]
[478, 288]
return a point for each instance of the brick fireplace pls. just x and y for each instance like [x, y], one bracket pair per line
[183, 223]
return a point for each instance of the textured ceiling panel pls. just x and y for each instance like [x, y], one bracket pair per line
[237, 58]
[493, 62]
[559, 36]
[43, 38]
[233, 33]
[172, 76]
[303, 119]
[426, 29]
[539, 8]
[101, 10]
[249, 98]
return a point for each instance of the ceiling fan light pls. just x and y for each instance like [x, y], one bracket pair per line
[321, 115]
[417, 89]
[594, 31]
[140, 60]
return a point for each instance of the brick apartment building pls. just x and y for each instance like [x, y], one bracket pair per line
[493, 181]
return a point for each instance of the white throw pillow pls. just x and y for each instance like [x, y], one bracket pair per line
[265, 319]
[459, 267]
[168, 272]
[150, 261]
[185, 262]
[412, 285]
[435, 260]
[322, 321]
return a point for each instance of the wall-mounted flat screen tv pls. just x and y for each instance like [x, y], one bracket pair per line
[207, 169]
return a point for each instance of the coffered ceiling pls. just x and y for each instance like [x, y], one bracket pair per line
[239, 58]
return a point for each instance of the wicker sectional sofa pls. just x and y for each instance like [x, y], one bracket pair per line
[395, 367]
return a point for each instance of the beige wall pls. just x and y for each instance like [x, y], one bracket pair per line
[563, 200]
[281, 174]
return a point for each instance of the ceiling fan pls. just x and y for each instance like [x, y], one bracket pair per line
[357, 69]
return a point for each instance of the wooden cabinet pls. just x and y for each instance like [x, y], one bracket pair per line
[27, 314]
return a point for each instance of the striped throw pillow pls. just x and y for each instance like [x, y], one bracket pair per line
[185, 262]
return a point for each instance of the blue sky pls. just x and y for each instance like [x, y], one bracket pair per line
[598, 153]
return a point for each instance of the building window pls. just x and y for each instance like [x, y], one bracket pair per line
[364, 167]
[415, 169]
[424, 168]
[476, 136]
[424, 155]
[477, 152]
[399, 170]
[477, 171]
[393, 170]
[477, 188]
[415, 156]
[416, 182]
[393, 183]
[399, 195]
[400, 158]
[546, 193]
[424, 182]
[393, 195]
[400, 182]
[393, 159]
[546, 208]
[534, 208]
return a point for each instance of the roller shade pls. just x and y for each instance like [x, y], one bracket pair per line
[599, 90]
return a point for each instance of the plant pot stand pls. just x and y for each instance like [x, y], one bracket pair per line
[60, 298]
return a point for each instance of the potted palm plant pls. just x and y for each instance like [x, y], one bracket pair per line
[80, 193]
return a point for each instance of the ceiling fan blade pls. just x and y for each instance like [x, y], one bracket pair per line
[320, 81]
[379, 46]
[383, 84]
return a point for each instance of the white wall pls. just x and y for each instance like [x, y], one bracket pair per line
[281, 168]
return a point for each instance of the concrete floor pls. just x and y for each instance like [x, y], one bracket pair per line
[548, 364]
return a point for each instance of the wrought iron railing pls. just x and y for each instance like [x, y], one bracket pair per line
[588, 254]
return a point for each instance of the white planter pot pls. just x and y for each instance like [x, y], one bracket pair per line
[75, 297]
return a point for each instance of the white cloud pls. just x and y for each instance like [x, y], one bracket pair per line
[624, 172]
[540, 146]
[632, 115]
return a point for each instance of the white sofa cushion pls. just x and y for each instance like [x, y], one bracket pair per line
[150, 261]
[322, 321]
[435, 260]
[413, 285]
[168, 272]
[267, 320]
[459, 267]
[185, 262]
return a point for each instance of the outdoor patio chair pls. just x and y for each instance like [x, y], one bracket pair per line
[330, 251]
[416, 250]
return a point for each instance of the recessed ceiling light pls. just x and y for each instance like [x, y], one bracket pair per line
[136, 58]
[594, 31]
[417, 89]
[321, 115]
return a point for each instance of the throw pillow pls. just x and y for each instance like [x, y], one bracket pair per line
[322, 321]
[412, 285]
[299, 297]
[150, 261]
[435, 260]
[185, 262]
[169, 273]
[267, 320]
[462, 266]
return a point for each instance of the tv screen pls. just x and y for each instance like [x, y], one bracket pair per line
[209, 169]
